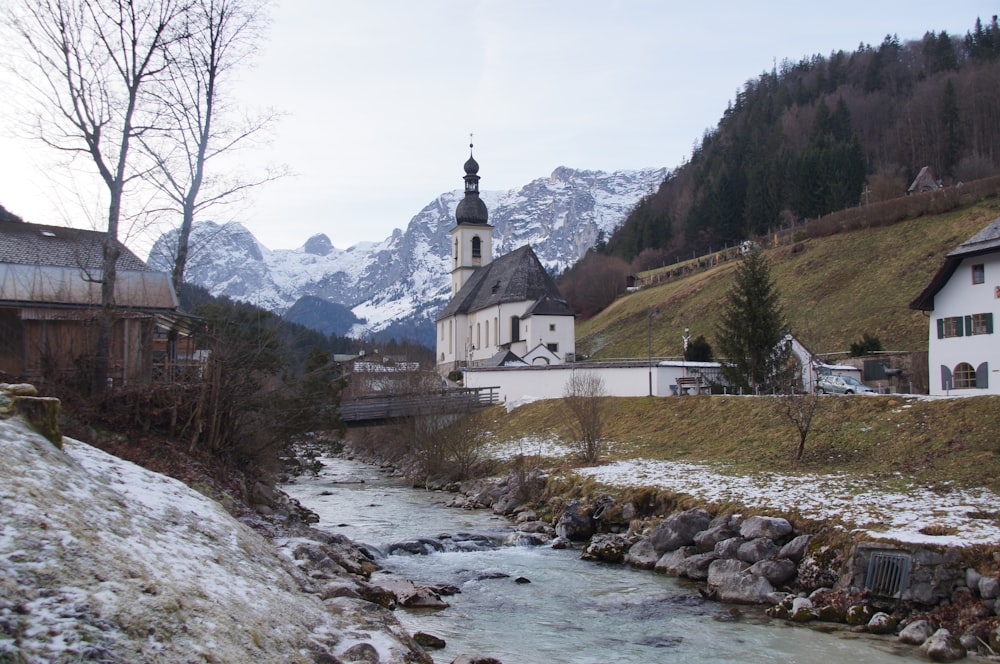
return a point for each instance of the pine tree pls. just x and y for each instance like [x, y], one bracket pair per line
[752, 329]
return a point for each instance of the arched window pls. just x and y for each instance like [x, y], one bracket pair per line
[477, 247]
[964, 376]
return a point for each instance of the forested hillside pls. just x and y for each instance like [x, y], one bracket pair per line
[827, 133]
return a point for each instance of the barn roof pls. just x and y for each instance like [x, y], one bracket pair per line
[57, 266]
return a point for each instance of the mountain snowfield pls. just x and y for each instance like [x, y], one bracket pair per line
[404, 280]
[103, 560]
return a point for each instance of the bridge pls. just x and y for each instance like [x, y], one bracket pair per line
[378, 409]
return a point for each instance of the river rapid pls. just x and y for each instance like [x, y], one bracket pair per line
[564, 610]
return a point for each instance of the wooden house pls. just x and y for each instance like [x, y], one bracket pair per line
[50, 302]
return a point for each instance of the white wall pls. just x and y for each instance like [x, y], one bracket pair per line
[620, 379]
[960, 297]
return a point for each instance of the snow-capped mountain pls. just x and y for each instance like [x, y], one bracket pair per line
[397, 286]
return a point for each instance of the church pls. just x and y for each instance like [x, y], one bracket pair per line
[503, 312]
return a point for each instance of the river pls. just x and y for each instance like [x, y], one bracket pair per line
[570, 611]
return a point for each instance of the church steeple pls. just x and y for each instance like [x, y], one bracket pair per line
[472, 236]
[472, 209]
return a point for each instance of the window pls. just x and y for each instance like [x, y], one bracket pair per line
[964, 376]
[477, 247]
[553, 347]
[552, 327]
[979, 324]
[979, 274]
[949, 327]
[515, 329]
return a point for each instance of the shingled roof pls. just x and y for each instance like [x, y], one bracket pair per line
[514, 277]
[984, 242]
[34, 244]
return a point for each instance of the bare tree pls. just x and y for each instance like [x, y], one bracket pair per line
[199, 125]
[584, 398]
[89, 63]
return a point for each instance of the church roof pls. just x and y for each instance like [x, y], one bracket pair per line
[515, 277]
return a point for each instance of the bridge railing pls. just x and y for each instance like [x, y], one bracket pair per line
[380, 407]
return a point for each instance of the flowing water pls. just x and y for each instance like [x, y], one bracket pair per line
[569, 611]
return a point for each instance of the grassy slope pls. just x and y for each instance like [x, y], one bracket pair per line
[833, 291]
[896, 438]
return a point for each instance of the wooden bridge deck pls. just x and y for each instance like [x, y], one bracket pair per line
[384, 408]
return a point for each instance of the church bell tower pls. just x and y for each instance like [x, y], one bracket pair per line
[472, 236]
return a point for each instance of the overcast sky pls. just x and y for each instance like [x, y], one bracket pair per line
[380, 96]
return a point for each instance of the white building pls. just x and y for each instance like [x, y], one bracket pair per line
[963, 300]
[499, 308]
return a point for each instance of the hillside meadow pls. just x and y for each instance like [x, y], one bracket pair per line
[943, 442]
[833, 290]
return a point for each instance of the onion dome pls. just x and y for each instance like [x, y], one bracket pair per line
[471, 209]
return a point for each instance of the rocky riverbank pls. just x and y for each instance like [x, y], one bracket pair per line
[933, 598]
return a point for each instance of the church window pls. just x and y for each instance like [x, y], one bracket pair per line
[515, 329]
[978, 273]
[477, 247]
[552, 327]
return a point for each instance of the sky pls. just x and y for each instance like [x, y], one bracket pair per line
[379, 98]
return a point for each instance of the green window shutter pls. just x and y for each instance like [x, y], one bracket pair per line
[989, 323]
[940, 323]
[968, 326]
[983, 376]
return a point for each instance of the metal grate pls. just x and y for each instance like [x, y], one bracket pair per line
[887, 573]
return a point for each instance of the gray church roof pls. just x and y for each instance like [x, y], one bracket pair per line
[515, 277]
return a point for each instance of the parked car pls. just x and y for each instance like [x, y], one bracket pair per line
[842, 385]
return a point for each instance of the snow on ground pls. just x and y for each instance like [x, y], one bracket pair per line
[864, 503]
[102, 559]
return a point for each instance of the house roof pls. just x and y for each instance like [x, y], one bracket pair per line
[34, 244]
[56, 266]
[986, 241]
[515, 277]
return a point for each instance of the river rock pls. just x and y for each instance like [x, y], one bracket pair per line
[881, 623]
[429, 640]
[696, 567]
[721, 528]
[642, 555]
[417, 547]
[774, 528]
[916, 632]
[679, 529]
[362, 653]
[670, 562]
[972, 577]
[575, 523]
[757, 549]
[778, 572]
[522, 538]
[859, 614]
[942, 646]
[473, 659]
[989, 587]
[796, 548]
[608, 547]
[728, 548]
[731, 582]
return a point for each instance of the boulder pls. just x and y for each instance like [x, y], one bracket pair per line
[859, 614]
[941, 646]
[679, 529]
[670, 562]
[608, 548]
[721, 528]
[795, 550]
[757, 549]
[729, 548]
[882, 623]
[778, 572]
[429, 640]
[696, 567]
[989, 587]
[523, 538]
[473, 659]
[642, 555]
[972, 577]
[774, 528]
[731, 582]
[417, 547]
[575, 523]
